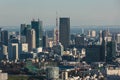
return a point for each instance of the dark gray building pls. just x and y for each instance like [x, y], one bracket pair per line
[64, 31]
[37, 26]
[23, 32]
[23, 29]
[0, 34]
[4, 37]
[93, 53]
[111, 51]
[80, 41]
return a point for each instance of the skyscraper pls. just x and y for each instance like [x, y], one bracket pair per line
[31, 39]
[4, 37]
[105, 35]
[93, 53]
[23, 29]
[45, 41]
[80, 41]
[37, 26]
[0, 34]
[23, 32]
[64, 31]
[23, 48]
[93, 33]
[100, 37]
[118, 38]
[13, 51]
[3, 51]
[111, 51]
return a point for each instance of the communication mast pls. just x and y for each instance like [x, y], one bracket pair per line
[57, 31]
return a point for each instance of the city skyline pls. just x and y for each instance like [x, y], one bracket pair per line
[59, 40]
[81, 12]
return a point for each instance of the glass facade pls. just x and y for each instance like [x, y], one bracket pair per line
[37, 26]
[64, 30]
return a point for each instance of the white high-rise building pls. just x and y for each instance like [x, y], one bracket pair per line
[100, 37]
[93, 33]
[23, 48]
[31, 39]
[118, 38]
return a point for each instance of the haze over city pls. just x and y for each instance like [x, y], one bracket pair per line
[59, 40]
[81, 12]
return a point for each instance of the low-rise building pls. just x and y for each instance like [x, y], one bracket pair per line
[3, 76]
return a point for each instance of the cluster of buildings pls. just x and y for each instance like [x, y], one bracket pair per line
[59, 45]
[31, 39]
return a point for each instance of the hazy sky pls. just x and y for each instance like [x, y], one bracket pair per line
[81, 12]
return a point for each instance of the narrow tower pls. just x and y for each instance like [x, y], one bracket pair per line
[57, 31]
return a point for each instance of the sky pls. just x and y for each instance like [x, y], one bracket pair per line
[81, 12]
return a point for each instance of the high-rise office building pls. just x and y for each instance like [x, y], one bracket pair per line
[4, 37]
[106, 35]
[23, 32]
[89, 33]
[23, 29]
[93, 33]
[64, 31]
[0, 34]
[31, 39]
[45, 41]
[100, 37]
[80, 40]
[3, 51]
[37, 26]
[111, 51]
[108, 50]
[118, 38]
[58, 49]
[13, 51]
[103, 50]
[93, 53]
[23, 48]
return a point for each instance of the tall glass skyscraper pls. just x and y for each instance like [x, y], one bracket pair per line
[64, 31]
[37, 26]
[4, 37]
[23, 29]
